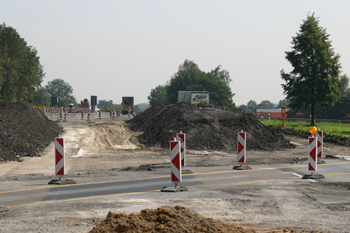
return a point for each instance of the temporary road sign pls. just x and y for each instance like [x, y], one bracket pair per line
[312, 157]
[176, 176]
[59, 157]
[241, 147]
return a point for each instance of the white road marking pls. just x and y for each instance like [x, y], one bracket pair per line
[312, 180]
[296, 174]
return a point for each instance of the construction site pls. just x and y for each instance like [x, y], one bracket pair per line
[120, 164]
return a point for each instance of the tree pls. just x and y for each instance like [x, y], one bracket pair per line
[190, 78]
[158, 95]
[20, 70]
[265, 104]
[284, 102]
[61, 89]
[41, 97]
[245, 108]
[252, 105]
[222, 75]
[316, 69]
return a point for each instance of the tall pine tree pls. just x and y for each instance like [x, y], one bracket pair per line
[316, 69]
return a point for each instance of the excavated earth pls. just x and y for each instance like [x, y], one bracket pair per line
[206, 126]
[24, 131]
[178, 219]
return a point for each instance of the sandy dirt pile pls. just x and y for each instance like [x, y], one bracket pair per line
[178, 219]
[206, 126]
[24, 131]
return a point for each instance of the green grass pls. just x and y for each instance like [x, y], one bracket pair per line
[339, 129]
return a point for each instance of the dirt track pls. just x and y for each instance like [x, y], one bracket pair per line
[102, 151]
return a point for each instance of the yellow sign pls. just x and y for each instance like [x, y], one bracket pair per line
[313, 130]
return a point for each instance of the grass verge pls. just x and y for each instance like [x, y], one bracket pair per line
[338, 129]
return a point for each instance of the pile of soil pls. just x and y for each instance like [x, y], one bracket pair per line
[206, 126]
[178, 219]
[24, 131]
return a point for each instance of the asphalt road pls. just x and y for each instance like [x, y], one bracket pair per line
[334, 170]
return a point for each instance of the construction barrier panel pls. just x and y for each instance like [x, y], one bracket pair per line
[182, 138]
[241, 147]
[176, 176]
[312, 157]
[59, 157]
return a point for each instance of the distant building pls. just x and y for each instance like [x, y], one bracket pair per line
[275, 113]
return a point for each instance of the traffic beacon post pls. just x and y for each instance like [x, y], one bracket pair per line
[175, 166]
[312, 156]
[283, 113]
[241, 151]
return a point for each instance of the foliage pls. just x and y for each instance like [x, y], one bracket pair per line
[20, 71]
[245, 108]
[252, 105]
[338, 129]
[61, 89]
[158, 95]
[316, 69]
[190, 78]
[284, 102]
[265, 104]
[41, 97]
[105, 105]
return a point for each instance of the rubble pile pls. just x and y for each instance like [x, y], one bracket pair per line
[206, 126]
[24, 131]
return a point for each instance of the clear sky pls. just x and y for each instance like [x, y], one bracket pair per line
[127, 47]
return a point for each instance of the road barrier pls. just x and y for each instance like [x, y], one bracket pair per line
[65, 115]
[60, 163]
[312, 155]
[118, 111]
[59, 157]
[99, 114]
[82, 114]
[88, 116]
[129, 113]
[182, 138]
[175, 166]
[113, 114]
[241, 151]
[175, 161]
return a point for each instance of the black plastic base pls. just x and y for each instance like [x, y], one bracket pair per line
[242, 168]
[174, 189]
[314, 176]
[62, 182]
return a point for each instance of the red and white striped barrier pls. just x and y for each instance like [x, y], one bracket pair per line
[61, 114]
[182, 138]
[129, 113]
[88, 116]
[241, 147]
[312, 156]
[99, 114]
[65, 116]
[59, 157]
[118, 112]
[82, 115]
[319, 136]
[113, 114]
[110, 112]
[176, 176]
[139, 111]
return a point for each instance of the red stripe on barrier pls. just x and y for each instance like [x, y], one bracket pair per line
[58, 156]
[311, 168]
[241, 160]
[174, 178]
[172, 145]
[242, 135]
[176, 161]
[313, 154]
[61, 172]
[311, 140]
[240, 147]
[182, 136]
[60, 141]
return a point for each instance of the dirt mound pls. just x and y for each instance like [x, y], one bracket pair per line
[24, 131]
[178, 219]
[206, 126]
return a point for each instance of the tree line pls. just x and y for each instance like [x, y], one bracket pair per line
[21, 74]
[189, 77]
